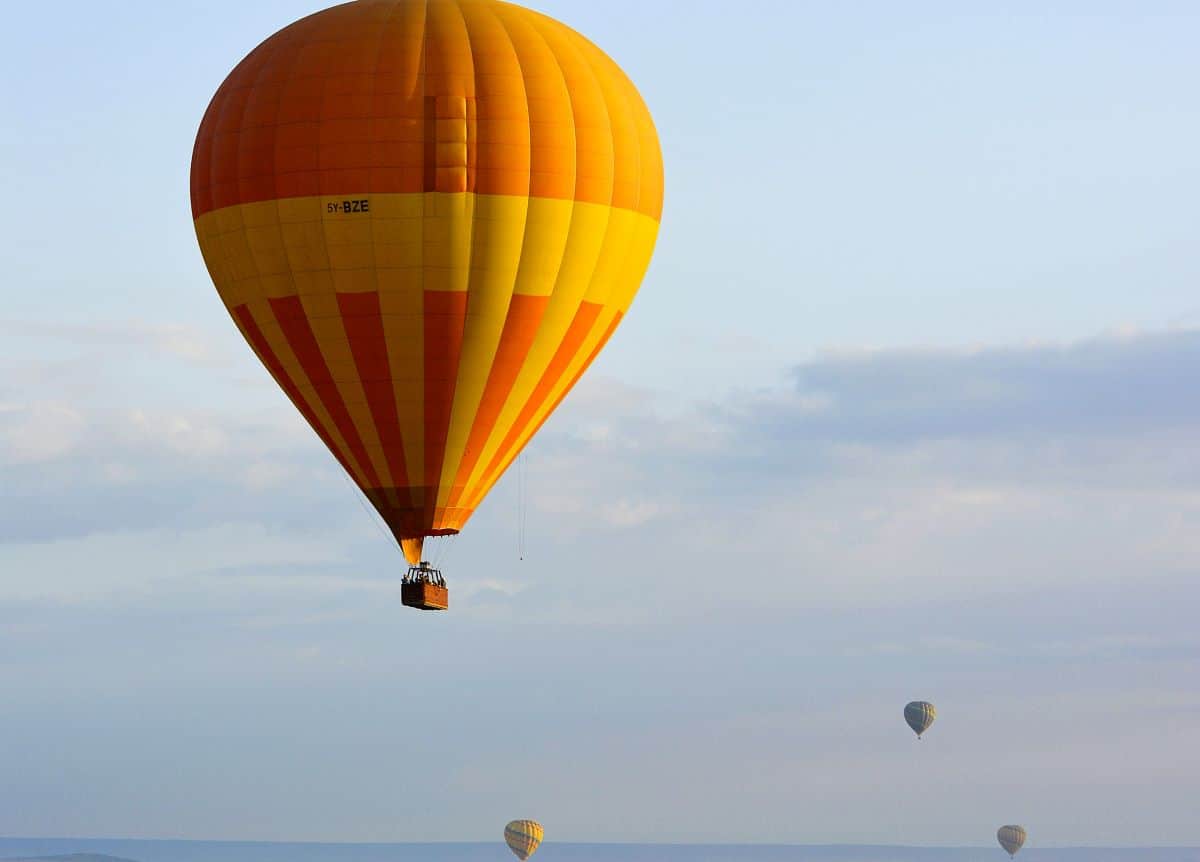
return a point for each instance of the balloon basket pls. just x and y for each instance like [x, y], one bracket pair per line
[424, 588]
[425, 597]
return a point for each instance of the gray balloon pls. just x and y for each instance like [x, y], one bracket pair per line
[919, 714]
[1011, 838]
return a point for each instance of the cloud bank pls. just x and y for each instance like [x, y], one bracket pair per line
[729, 600]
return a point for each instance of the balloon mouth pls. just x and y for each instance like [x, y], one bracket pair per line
[412, 546]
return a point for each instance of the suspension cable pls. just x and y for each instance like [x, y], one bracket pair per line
[372, 515]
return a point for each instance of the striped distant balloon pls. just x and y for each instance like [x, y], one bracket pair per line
[919, 714]
[523, 837]
[426, 217]
[1011, 838]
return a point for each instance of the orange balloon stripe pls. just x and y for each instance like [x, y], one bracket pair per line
[445, 321]
[258, 341]
[520, 328]
[608, 332]
[580, 326]
[361, 317]
[289, 313]
[507, 453]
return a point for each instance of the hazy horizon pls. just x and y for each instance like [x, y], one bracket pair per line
[142, 850]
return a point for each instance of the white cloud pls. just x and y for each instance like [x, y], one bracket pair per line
[171, 339]
[40, 431]
[150, 565]
[189, 436]
[632, 513]
[265, 475]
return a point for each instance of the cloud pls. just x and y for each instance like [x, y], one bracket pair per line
[632, 513]
[38, 432]
[879, 476]
[1094, 388]
[883, 474]
[171, 339]
[183, 435]
[71, 471]
[731, 600]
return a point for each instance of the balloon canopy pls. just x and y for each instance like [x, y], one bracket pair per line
[426, 217]
[523, 837]
[919, 714]
[1011, 838]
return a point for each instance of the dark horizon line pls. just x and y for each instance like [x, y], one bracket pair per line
[825, 844]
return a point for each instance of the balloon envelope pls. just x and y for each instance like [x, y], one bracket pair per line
[426, 217]
[1011, 838]
[919, 714]
[523, 837]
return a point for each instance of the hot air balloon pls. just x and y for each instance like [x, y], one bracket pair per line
[919, 714]
[523, 837]
[426, 217]
[1011, 838]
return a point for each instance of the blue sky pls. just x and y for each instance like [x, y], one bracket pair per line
[905, 409]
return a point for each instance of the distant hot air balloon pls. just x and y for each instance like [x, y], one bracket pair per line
[1011, 838]
[919, 714]
[426, 217]
[523, 837]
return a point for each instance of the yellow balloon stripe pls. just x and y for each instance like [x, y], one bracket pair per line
[366, 315]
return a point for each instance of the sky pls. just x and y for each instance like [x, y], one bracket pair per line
[904, 410]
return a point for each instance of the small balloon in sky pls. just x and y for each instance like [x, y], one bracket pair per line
[1011, 838]
[523, 837]
[920, 715]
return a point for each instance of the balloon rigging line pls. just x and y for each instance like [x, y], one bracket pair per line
[450, 545]
[521, 507]
[373, 516]
[525, 509]
[517, 507]
[522, 502]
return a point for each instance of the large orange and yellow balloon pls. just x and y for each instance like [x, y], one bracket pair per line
[426, 217]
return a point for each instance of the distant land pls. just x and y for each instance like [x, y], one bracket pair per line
[129, 850]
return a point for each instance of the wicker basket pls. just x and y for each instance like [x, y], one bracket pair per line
[425, 596]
